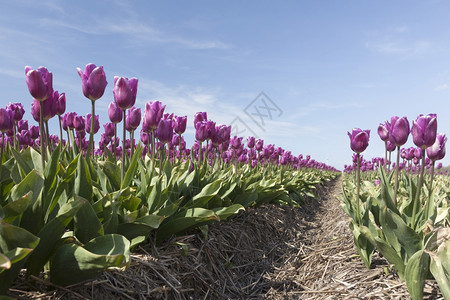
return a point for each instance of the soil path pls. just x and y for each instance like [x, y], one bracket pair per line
[269, 252]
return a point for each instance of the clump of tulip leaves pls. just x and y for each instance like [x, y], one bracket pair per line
[386, 217]
[77, 217]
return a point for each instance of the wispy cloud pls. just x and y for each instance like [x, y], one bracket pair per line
[442, 87]
[400, 47]
[137, 32]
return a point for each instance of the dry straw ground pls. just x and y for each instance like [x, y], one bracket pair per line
[269, 252]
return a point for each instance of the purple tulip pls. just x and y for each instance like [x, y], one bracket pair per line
[153, 113]
[48, 108]
[22, 125]
[88, 123]
[125, 91]
[61, 104]
[251, 142]
[133, 118]
[144, 137]
[424, 130]
[398, 130]
[34, 132]
[259, 144]
[199, 117]
[437, 150]
[418, 153]
[201, 132]
[25, 139]
[70, 117]
[180, 124]
[39, 82]
[164, 131]
[6, 119]
[79, 123]
[109, 129]
[359, 139]
[17, 109]
[93, 81]
[389, 146]
[383, 132]
[114, 113]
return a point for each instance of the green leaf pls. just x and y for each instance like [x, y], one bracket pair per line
[132, 167]
[50, 235]
[83, 183]
[440, 261]
[246, 199]
[386, 250]
[86, 223]
[72, 263]
[183, 221]
[415, 274]
[140, 227]
[209, 191]
[23, 164]
[15, 208]
[225, 212]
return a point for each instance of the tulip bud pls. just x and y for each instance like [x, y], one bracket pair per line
[17, 109]
[201, 133]
[133, 118]
[114, 113]
[61, 104]
[383, 132]
[251, 142]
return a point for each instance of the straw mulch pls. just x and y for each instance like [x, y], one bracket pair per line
[269, 252]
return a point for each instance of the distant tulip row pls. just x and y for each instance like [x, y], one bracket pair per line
[161, 133]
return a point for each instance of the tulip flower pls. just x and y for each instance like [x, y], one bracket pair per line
[39, 82]
[133, 118]
[109, 129]
[114, 113]
[93, 81]
[359, 139]
[164, 131]
[199, 117]
[398, 131]
[259, 144]
[89, 122]
[125, 91]
[437, 150]
[201, 133]
[251, 142]
[22, 125]
[424, 130]
[6, 119]
[153, 113]
[93, 84]
[79, 123]
[17, 109]
[180, 124]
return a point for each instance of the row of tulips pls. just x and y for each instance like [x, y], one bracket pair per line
[403, 213]
[73, 210]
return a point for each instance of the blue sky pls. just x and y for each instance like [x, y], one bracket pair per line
[324, 66]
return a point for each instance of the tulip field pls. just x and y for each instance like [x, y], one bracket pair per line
[75, 203]
[401, 209]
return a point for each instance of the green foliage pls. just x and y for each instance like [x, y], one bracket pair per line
[78, 217]
[406, 242]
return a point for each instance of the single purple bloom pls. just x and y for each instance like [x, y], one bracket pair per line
[88, 123]
[109, 129]
[125, 91]
[398, 131]
[39, 82]
[164, 131]
[6, 119]
[114, 113]
[154, 111]
[93, 81]
[180, 124]
[359, 139]
[437, 150]
[424, 130]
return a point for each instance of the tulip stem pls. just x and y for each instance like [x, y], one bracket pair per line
[419, 188]
[91, 133]
[132, 142]
[123, 146]
[358, 183]
[431, 180]
[114, 142]
[41, 129]
[60, 129]
[396, 175]
[1, 155]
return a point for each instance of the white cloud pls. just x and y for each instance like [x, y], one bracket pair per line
[442, 87]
